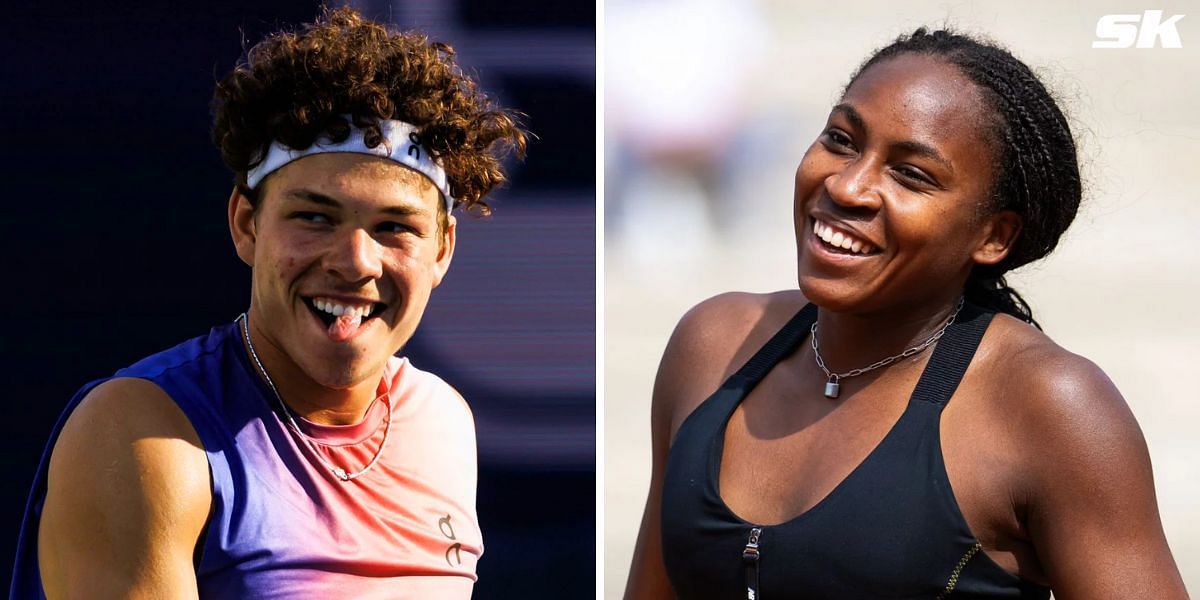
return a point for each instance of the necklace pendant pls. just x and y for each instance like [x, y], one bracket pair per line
[832, 387]
[340, 473]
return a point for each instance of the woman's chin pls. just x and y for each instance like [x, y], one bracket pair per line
[835, 295]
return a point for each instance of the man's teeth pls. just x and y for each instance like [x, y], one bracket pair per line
[841, 239]
[337, 310]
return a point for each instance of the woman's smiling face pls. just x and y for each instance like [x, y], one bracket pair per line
[891, 200]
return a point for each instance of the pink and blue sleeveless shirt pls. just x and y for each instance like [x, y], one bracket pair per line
[282, 526]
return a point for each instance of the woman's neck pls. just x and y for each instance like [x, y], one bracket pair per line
[855, 340]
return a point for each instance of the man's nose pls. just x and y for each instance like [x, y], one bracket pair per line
[355, 257]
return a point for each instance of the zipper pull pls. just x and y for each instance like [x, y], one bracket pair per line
[750, 555]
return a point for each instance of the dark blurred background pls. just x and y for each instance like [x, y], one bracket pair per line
[117, 246]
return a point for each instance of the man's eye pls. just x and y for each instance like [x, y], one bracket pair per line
[311, 217]
[393, 227]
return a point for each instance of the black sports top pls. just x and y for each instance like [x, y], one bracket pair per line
[891, 529]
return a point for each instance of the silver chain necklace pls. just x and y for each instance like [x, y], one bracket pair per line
[337, 471]
[832, 386]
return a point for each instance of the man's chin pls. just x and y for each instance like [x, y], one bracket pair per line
[346, 380]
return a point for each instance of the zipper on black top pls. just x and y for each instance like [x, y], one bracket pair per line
[750, 556]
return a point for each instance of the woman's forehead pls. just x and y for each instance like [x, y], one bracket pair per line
[924, 99]
[922, 93]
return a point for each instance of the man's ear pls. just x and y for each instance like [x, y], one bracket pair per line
[1000, 233]
[445, 250]
[242, 226]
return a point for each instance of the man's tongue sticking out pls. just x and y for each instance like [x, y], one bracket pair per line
[344, 326]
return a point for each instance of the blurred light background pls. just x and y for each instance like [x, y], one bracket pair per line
[117, 243]
[709, 106]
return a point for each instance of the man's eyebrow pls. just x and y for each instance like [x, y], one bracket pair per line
[315, 198]
[911, 146]
[404, 209]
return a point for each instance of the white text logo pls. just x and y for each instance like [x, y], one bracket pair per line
[1121, 31]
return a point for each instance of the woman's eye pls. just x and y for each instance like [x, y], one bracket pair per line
[837, 138]
[913, 175]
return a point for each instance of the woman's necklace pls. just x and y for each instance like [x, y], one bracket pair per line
[832, 386]
[337, 471]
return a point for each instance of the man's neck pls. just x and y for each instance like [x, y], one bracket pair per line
[305, 397]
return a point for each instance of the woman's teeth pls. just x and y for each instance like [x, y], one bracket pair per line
[841, 239]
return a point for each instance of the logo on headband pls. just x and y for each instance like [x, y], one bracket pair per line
[401, 144]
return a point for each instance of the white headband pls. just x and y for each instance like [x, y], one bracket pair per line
[400, 143]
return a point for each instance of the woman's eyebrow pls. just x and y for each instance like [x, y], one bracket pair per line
[851, 114]
[926, 151]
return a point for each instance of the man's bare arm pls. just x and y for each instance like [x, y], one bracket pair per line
[128, 496]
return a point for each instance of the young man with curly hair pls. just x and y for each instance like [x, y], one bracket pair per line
[290, 453]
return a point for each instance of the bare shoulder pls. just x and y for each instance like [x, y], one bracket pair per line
[1085, 482]
[1053, 382]
[712, 340]
[129, 418]
[1068, 413]
[128, 488]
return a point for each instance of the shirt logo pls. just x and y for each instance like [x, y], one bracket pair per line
[447, 530]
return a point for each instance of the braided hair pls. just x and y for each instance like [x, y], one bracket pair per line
[1037, 172]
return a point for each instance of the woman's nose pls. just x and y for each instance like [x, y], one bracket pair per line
[855, 185]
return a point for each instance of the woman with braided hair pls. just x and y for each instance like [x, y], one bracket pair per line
[899, 426]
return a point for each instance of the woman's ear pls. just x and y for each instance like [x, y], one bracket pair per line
[999, 235]
[242, 226]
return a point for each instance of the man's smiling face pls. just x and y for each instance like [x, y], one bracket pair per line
[345, 249]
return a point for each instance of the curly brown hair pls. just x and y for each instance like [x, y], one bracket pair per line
[297, 86]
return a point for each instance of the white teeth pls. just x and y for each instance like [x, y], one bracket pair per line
[840, 239]
[358, 312]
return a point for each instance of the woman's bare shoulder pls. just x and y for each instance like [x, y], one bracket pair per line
[726, 330]
[713, 340]
[1049, 376]
[1067, 410]
[1084, 476]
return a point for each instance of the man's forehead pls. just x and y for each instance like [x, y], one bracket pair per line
[357, 178]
